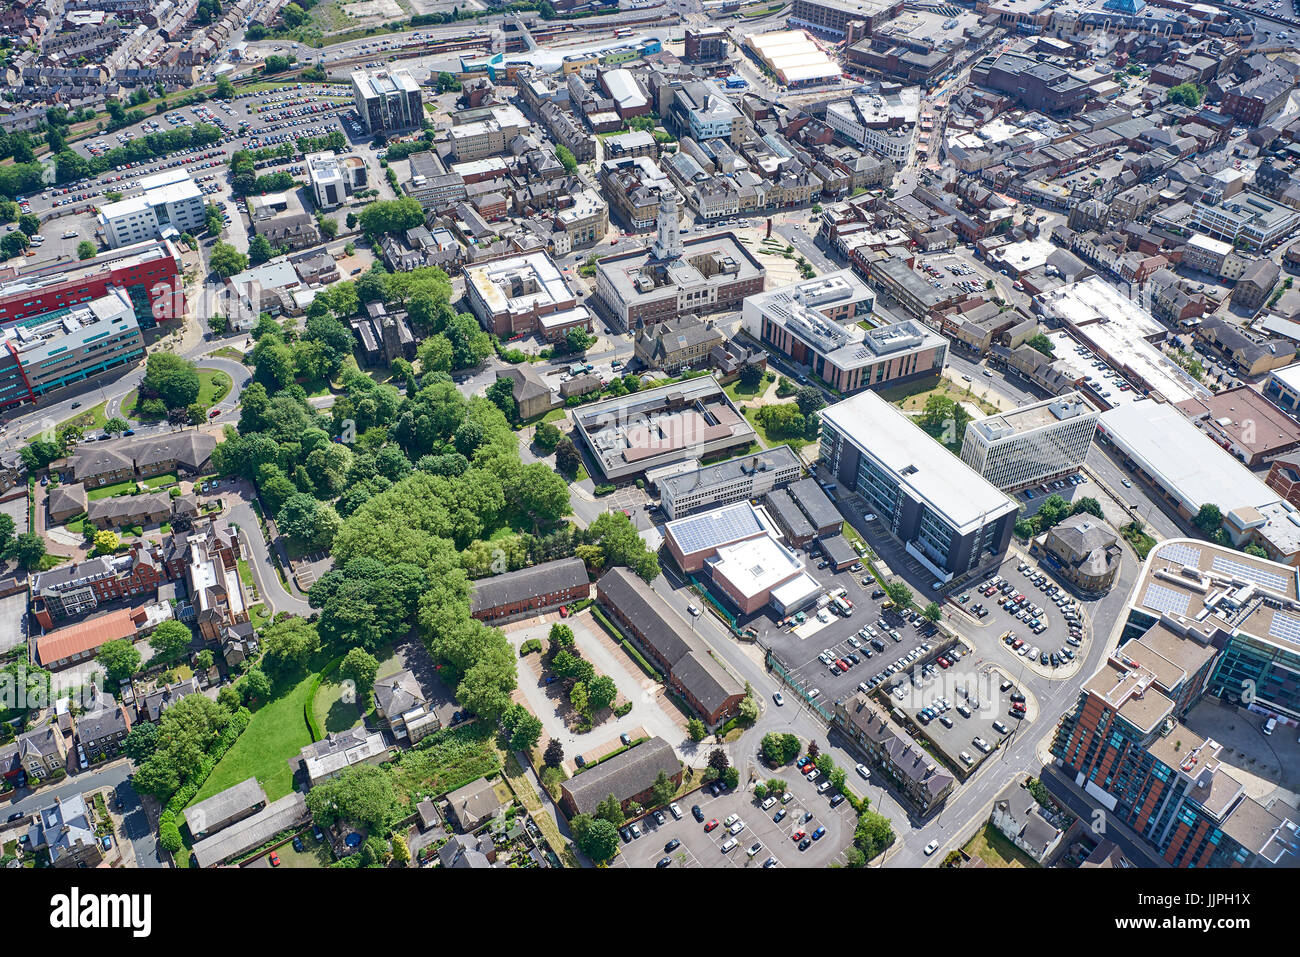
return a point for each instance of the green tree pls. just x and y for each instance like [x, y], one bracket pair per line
[116, 425]
[1042, 344]
[595, 837]
[874, 834]
[1253, 549]
[225, 89]
[6, 533]
[141, 741]
[86, 249]
[547, 436]
[362, 795]
[932, 612]
[602, 692]
[120, 660]
[664, 788]
[553, 757]
[106, 542]
[696, 730]
[226, 260]
[566, 158]
[899, 594]
[172, 379]
[527, 732]
[1187, 94]
[360, 667]
[568, 460]
[255, 686]
[1209, 519]
[288, 644]
[610, 809]
[1086, 504]
[28, 549]
[293, 15]
[809, 399]
[748, 710]
[171, 640]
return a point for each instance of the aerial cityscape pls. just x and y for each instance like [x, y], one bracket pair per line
[470, 434]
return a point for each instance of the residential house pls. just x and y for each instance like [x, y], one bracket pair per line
[530, 591]
[102, 728]
[66, 831]
[1024, 822]
[42, 751]
[338, 751]
[160, 699]
[629, 776]
[532, 396]
[676, 343]
[403, 705]
[918, 775]
[472, 805]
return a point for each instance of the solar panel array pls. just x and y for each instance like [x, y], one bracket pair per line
[715, 528]
[1183, 554]
[1285, 627]
[1160, 598]
[1251, 573]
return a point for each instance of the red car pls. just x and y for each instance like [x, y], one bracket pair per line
[943, 662]
[564, 611]
[275, 859]
[711, 825]
[842, 664]
[797, 835]
[214, 413]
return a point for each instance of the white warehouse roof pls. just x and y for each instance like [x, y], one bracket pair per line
[1182, 458]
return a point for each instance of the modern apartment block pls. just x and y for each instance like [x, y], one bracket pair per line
[45, 353]
[948, 518]
[171, 204]
[387, 100]
[334, 178]
[1035, 443]
[1196, 610]
[740, 479]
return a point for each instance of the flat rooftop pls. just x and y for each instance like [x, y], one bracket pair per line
[1203, 587]
[1120, 331]
[927, 470]
[1182, 458]
[648, 428]
[780, 458]
[1244, 415]
[717, 527]
[756, 565]
[1036, 415]
[637, 276]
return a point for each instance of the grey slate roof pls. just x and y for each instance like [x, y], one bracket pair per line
[528, 583]
[212, 814]
[624, 775]
[251, 832]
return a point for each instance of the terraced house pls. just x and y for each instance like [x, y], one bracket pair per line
[921, 779]
[106, 463]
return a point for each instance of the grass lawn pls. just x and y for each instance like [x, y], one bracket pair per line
[996, 851]
[108, 491]
[555, 415]
[229, 352]
[314, 853]
[77, 526]
[259, 614]
[129, 410]
[751, 415]
[245, 573]
[331, 711]
[214, 385]
[52, 561]
[158, 481]
[911, 397]
[276, 733]
[91, 421]
[739, 392]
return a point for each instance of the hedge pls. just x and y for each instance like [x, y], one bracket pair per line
[627, 645]
[308, 709]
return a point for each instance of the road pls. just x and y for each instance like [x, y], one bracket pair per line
[114, 776]
[258, 555]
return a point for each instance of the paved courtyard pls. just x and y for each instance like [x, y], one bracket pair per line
[652, 712]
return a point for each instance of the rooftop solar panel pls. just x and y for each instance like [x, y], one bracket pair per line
[1285, 627]
[1159, 598]
[1251, 573]
[718, 527]
[1182, 553]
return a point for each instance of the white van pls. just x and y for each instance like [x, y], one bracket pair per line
[1269, 725]
[769, 802]
[728, 845]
